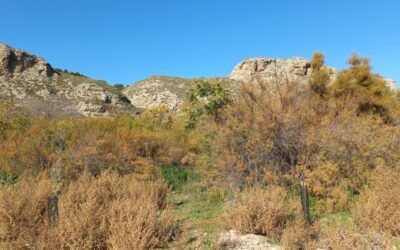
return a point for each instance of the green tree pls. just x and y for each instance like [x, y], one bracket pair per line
[204, 98]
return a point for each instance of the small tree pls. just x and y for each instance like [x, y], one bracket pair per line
[369, 91]
[320, 75]
[204, 98]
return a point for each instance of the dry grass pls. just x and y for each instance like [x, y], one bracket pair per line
[108, 212]
[260, 211]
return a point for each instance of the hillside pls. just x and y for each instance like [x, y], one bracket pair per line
[281, 154]
[166, 91]
[34, 85]
[170, 91]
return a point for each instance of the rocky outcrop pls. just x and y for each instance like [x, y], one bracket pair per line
[280, 70]
[392, 84]
[274, 70]
[39, 89]
[157, 91]
[18, 64]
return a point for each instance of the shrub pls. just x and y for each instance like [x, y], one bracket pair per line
[338, 237]
[320, 75]
[108, 211]
[260, 211]
[298, 235]
[378, 206]
[23, 218]
[174, 176]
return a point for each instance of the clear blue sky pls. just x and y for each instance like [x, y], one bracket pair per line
[125, 41]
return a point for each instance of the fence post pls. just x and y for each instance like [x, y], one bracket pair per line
[305, 200]
[52, 208]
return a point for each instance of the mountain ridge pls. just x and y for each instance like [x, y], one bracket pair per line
[40, 89]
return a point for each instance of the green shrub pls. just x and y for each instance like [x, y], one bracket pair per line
[174, 176]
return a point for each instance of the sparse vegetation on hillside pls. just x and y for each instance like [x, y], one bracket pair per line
[69, 72]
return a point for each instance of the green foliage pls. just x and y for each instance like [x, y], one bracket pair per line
[58, 70]
[174, 176]
[119, 87]
[8, 178]
[204, 98]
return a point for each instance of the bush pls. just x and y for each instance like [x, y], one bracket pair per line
[110, 211]
[378, 206]
[174, 176]
[23, 211]
[260, 211]
[338, 237]
[298, 235]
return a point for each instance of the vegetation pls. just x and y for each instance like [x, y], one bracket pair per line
[224, 162]
[119, 87]
[58, 70]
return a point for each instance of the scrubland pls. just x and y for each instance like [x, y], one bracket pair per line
[225, 161]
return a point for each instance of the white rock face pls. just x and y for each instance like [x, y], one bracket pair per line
[271, 69]
[158, 91]
[392, 84]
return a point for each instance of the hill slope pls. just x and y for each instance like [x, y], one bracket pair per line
[39, 89]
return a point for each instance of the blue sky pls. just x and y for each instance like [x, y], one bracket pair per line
[125, 41]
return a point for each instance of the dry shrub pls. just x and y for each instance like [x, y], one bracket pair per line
[260, 211]
[299, 235]
[138, 226]
[23, 211]
[339, 237]
[109, 211]
[378, 206]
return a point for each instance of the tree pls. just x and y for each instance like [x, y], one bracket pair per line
[320, 75]
[204, 98]
[369, 91]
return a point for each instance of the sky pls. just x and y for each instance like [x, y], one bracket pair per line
[124, 41]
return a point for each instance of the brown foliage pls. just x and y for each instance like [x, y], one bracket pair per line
[260, 211]
[298, 235]
[23, 217]
[378, 206]
[110, 211]
[338, 237]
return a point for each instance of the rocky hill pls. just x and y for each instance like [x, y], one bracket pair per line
[39, 89]
[165, 91]
[156, 91]
[170, 91]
